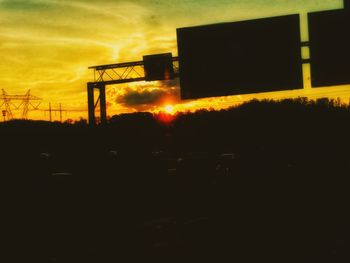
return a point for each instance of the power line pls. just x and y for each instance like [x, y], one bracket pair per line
[60, 110]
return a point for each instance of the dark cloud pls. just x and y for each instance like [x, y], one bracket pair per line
[171, 83]
[148, 98]
[154, 21]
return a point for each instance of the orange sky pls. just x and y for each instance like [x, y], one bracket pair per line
[47, 46]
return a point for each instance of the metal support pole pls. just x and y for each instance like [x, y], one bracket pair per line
[103, 106]
[91, 104]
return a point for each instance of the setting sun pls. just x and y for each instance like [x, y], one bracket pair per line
[169, 109]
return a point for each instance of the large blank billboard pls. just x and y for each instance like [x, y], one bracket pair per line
[330, 47]
[243, 57]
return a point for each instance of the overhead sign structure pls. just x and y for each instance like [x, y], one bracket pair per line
[253, 56]
[152, 67]
[242, 57]
[330, 47]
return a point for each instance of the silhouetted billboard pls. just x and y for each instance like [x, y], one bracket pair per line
[243, 57]
[330, 47]
[158, 67]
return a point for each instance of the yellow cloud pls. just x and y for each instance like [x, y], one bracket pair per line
[47, 45]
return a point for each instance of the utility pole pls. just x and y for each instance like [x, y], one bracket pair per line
[50, 111]
[60, 110]
[4, 114]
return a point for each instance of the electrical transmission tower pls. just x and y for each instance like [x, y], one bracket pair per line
[25, 102]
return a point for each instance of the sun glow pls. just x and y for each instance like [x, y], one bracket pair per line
[169, 109]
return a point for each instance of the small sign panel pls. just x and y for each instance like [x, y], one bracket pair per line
[158, 67]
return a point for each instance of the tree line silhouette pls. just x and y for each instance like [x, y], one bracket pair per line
[264, 180]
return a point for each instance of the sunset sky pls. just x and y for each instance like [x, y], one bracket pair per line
[47, 46]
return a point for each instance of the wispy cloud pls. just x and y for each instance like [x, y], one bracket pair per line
[47, 45]
[25, 5]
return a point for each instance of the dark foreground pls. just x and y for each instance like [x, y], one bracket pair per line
[262, 182]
